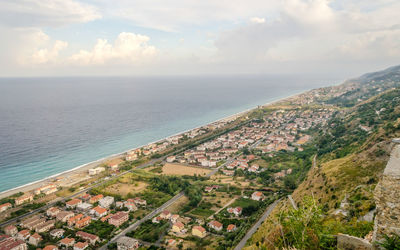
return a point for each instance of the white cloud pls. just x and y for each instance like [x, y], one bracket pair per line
[127, 48]
[176, 15]
[45, 13]
[46, 55]
[257, 20]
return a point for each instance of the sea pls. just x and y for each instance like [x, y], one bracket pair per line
[51, 125]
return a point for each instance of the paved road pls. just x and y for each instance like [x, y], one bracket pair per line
[254, 228]
[292, 201]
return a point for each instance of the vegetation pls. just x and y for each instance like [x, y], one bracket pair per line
[149, 232]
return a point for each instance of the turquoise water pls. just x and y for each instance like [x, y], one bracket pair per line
[50, 125]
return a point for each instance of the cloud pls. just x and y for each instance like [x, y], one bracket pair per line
[45, 13]
[177, 15]
[48, 55]
[127, 48]
[314, 34]
[257, 20]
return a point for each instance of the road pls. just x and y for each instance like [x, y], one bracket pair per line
[292, 201]
[254, 228]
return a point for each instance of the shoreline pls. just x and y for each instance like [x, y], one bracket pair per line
[86, 166]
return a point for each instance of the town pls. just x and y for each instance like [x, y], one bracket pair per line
[218, 188]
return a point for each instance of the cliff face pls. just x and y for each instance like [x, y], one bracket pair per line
[387, 198]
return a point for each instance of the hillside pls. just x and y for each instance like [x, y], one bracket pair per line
[352, 151]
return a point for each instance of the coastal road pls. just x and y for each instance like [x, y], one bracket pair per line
[254, 228]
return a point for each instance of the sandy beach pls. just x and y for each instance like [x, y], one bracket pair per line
[78, 174]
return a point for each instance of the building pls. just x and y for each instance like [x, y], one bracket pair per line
[130, 204]
[178, 227]
[11, 230]
[35, 239]
[95, 171]
[231, 228]
[99, 211]
[165, 215]
[73, 203]
[81, 245]
[84, 206]
[127, 243]
[83, 222]
[74, 219]
[7, 242]
[199, 231]
[114, 164]
[118, 219]
[139, 202]
[45, 226]
[50, 247]
[237, 211]
[257, 196]
[95, 198]
[91, 238]
[57, 233]
[217, 226]
[23, 199]
[52, 212]
[64, 216]
[5, 206]
[106, 202]
[67, 242]
[23, 235]
[171, 158]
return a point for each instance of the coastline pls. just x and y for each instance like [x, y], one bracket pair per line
[84, 167]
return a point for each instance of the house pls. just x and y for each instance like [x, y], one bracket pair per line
[64, 216]
[45, 226]
[237, 211]
[95, 171]
[83, 222]
[5, 206]
[73, 203]
[105, 218]
[91, 238]
[231, 228]
[57, 233]
[95, 199]
[171, 158]
[217, 226]
[114, 164]
[199, 231]
[131, 157]
[127, 243]
[23, 235]
[35, 223]
[99, 211]
[257, 196]
[81, 245]
[140, 202]
[84, 206]
[165, 215]
[11, 230]
[157, 219]
[35, 239]
[73, 220]
[7, 242]
[50, 247]
[106, 202]
[86, 197]
[23, 199]
[52, 212]
[174, 218]
[208, 189]
[170, 242]
[67, 242]
[118, 219]
[228, 172]
[130, 204]
[178, 227]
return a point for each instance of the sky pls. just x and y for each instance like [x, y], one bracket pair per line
[197, 37]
